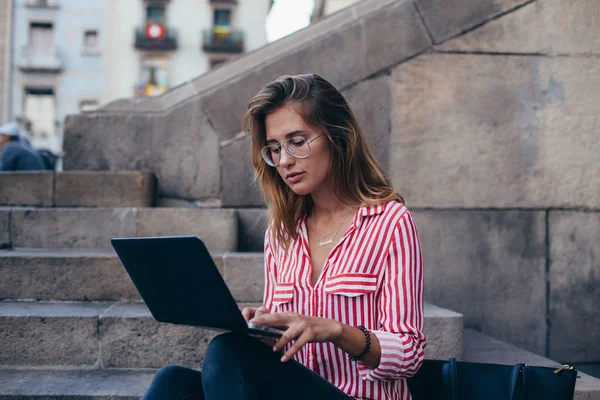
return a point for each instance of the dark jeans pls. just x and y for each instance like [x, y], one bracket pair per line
[237, 366]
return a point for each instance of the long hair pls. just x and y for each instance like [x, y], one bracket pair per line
[356, 175]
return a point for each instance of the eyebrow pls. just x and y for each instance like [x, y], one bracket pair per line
[289, 135]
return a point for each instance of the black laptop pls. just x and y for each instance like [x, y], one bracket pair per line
[180, 284]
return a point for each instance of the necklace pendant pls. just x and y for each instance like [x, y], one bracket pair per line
[325, 243]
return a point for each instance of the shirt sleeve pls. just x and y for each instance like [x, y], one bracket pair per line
[400, 308]
[269, 273]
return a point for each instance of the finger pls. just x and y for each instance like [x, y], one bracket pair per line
[285, 338]
[306, 337]
[248, 313]
[260, 311]
[271, 319]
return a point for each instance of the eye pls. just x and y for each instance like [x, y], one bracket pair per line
[297, 141]
[275, 149]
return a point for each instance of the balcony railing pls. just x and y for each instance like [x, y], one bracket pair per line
[166, 43]
[42, 3]
[223, 42]
[47, 60]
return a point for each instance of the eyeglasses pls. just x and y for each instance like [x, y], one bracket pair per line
[296, 146]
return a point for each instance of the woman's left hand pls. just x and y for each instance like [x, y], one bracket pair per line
[301, 328]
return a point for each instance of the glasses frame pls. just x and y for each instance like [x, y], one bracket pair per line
[282, 145]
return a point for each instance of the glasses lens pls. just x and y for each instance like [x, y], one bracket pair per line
[297, 147]
[267, 155]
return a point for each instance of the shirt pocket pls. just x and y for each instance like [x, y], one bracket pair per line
[284, 293]
[351, 284]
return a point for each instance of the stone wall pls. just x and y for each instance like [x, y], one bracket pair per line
[485, 116]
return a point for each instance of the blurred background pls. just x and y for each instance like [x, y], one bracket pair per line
[60, 57]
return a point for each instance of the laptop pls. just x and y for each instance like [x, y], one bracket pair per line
[180, 283]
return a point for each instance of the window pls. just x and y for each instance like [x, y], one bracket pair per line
[222, 17]
[41, 38]
[40, 109]
[88, 105]
[154, 79]
[155, 15]
[91, 42]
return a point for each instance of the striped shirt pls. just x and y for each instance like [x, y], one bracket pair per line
[372, 277]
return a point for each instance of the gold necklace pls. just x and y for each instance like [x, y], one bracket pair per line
[322, 241]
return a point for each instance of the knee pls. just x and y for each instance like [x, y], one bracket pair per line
[227, 345]
[174, 375]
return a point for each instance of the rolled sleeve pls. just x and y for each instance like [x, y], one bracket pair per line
[400, 308]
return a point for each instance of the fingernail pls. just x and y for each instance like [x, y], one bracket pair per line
[274, 348]
[283, 359]
[253, 320]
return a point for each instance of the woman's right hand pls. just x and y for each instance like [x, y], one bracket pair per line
[251, 312]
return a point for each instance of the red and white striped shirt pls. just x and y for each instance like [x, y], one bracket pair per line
[372, 277]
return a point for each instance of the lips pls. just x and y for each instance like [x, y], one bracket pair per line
[294, 177]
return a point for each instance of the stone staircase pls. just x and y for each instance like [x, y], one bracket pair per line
[71, 322]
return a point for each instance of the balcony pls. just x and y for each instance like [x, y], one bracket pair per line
[42, 3]
[145, 41]
[48, 60]
[223, 41]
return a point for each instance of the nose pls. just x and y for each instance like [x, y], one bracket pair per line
[285, 159]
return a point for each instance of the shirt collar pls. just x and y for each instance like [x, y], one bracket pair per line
[367, 211]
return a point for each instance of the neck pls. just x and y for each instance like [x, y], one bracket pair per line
[326, 205]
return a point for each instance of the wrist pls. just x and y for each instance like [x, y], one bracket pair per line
[337, 330]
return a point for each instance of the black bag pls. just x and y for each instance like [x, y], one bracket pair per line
[453, 380]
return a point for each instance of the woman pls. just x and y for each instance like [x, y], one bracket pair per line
[343, 265]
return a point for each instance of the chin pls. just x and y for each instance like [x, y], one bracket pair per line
[300, 189]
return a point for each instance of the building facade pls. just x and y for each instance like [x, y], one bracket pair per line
[159, 44]
[58, 64]
[5, 57]
[71, 56]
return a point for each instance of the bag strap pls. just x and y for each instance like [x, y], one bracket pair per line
[450, 379]
[517, 371]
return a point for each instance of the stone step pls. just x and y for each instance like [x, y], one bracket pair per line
[484, 349]
[98, 384]
[78, 189]
[117, 335]
[100, 276]
[92, 228]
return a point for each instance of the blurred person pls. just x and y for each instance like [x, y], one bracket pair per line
[343, 265]
[13, 155]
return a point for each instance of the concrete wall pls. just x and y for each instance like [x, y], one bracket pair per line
[491, 134]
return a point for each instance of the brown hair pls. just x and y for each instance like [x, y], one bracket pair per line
[356, 176]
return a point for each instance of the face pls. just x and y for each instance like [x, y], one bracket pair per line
[303, 175]
[4, 139]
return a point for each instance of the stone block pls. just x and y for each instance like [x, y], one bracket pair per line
[27, 189]
[131, 338]
[476, 131]
[239, 188]
[4, 227]
[448, 18]
[109, 141]
[252, 223]
[444, 331]
[49, 334]
[96, 384]
[574, 286]
[490, 267]
[64, 276]
[357, 43]
[63, 228]
[370, 101]
[216, 227]
[67, 276]
[105, 189]
[245, 276]
[185, 153]
[541, 27]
